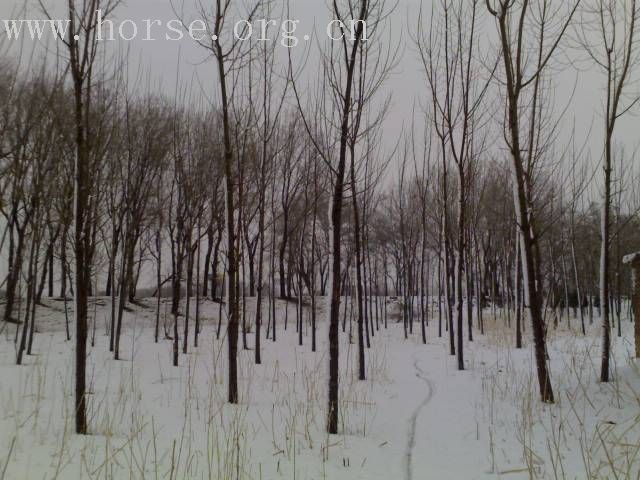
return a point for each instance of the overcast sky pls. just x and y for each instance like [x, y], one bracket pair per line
[168, 62]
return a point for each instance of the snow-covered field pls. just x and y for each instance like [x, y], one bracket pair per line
[415, 417]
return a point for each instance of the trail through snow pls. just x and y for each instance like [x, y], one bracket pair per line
[414, 420]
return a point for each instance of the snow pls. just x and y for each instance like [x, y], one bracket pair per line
[631, 258]
[414, 417]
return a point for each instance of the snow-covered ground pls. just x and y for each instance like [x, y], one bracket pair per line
[415, 417]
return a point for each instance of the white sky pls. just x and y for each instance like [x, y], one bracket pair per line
[161, 60]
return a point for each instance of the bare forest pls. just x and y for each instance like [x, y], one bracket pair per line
[403, 245]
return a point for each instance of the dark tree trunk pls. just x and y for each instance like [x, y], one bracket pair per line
[232, 302]
[207, 260]
[358, 254]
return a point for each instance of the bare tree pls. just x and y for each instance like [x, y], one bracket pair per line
[82, 46]
[354, 22]
[609, 37]
[228, 58]
[528, 30]
[449, 56]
